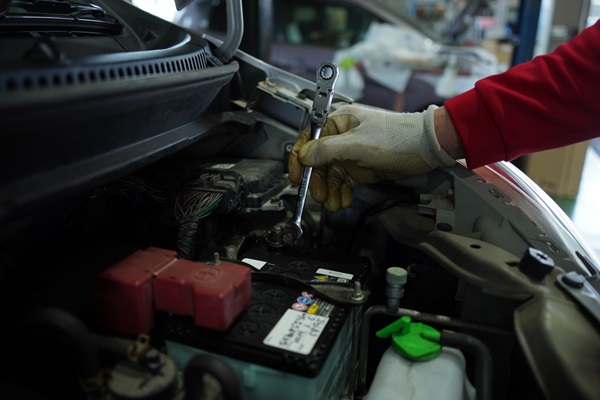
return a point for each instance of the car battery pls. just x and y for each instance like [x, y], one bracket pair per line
[288, 344]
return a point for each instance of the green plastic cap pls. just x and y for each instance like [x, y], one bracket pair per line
[347, 62]
[415, 341]
[396, 276]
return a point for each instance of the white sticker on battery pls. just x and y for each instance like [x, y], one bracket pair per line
[336, 274]
[222, 166]
[296, 331]
[255, 263]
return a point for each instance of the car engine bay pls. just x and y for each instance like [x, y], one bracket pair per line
[143, 195]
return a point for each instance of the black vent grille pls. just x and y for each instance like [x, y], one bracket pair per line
[36, 79]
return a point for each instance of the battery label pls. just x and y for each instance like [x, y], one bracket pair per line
[342, 277]
[321, 307]
[312, 305]
[296, 331]
[313, 309]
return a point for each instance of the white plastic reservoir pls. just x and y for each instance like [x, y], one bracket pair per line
[398, 378]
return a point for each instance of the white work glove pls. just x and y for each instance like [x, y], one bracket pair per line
[361, 145]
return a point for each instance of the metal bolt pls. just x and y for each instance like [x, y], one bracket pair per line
[275, 236]
[152, 360]
[357, 294]
[395, 278]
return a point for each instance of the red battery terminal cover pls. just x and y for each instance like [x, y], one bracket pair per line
[213, 294]
[123, 294]
[127, 293]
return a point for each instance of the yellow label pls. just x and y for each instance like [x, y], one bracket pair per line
[312, 309]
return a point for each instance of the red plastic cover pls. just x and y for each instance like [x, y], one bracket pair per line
[123, 297]
[213, 294]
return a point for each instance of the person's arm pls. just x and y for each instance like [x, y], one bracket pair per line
[549, 102]
[447, 135]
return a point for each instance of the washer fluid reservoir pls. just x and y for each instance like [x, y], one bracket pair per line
[398, 378]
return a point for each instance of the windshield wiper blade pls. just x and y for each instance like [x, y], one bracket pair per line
[55, 7]
[57, 16]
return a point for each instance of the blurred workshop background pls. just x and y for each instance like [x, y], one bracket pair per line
[406, 54]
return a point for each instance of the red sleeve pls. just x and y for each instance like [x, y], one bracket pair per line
[549, 102]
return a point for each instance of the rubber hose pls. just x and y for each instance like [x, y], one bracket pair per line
[483, 360]
[78, 338]
[250, 240]
[116, 348]
[219, 369]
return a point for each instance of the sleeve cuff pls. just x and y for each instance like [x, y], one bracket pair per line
[479, 134]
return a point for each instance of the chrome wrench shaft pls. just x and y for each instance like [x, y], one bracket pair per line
[326, 77]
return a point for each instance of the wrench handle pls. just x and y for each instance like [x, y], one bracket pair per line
[326, 77]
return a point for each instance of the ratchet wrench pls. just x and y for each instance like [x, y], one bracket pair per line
[326, 77]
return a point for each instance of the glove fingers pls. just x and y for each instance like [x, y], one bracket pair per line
[318, 184]
[347, 188]
[346, 147]
[337, 125]
[336, 175]
[333, 126]
[326, 182]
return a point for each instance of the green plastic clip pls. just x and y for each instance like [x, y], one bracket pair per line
[413, 340]
[347, 63]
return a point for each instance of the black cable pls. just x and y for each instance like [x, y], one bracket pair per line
[186, 237]
[75, 336]
[251, 238]
[114, 347]
[368, 212]
[135, 189]
[191, 206]
[483, 360]
[322, 290]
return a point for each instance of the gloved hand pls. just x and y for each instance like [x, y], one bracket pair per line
[361, 145]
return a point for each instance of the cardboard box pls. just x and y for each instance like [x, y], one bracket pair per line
[503, 50]
[558, 171]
